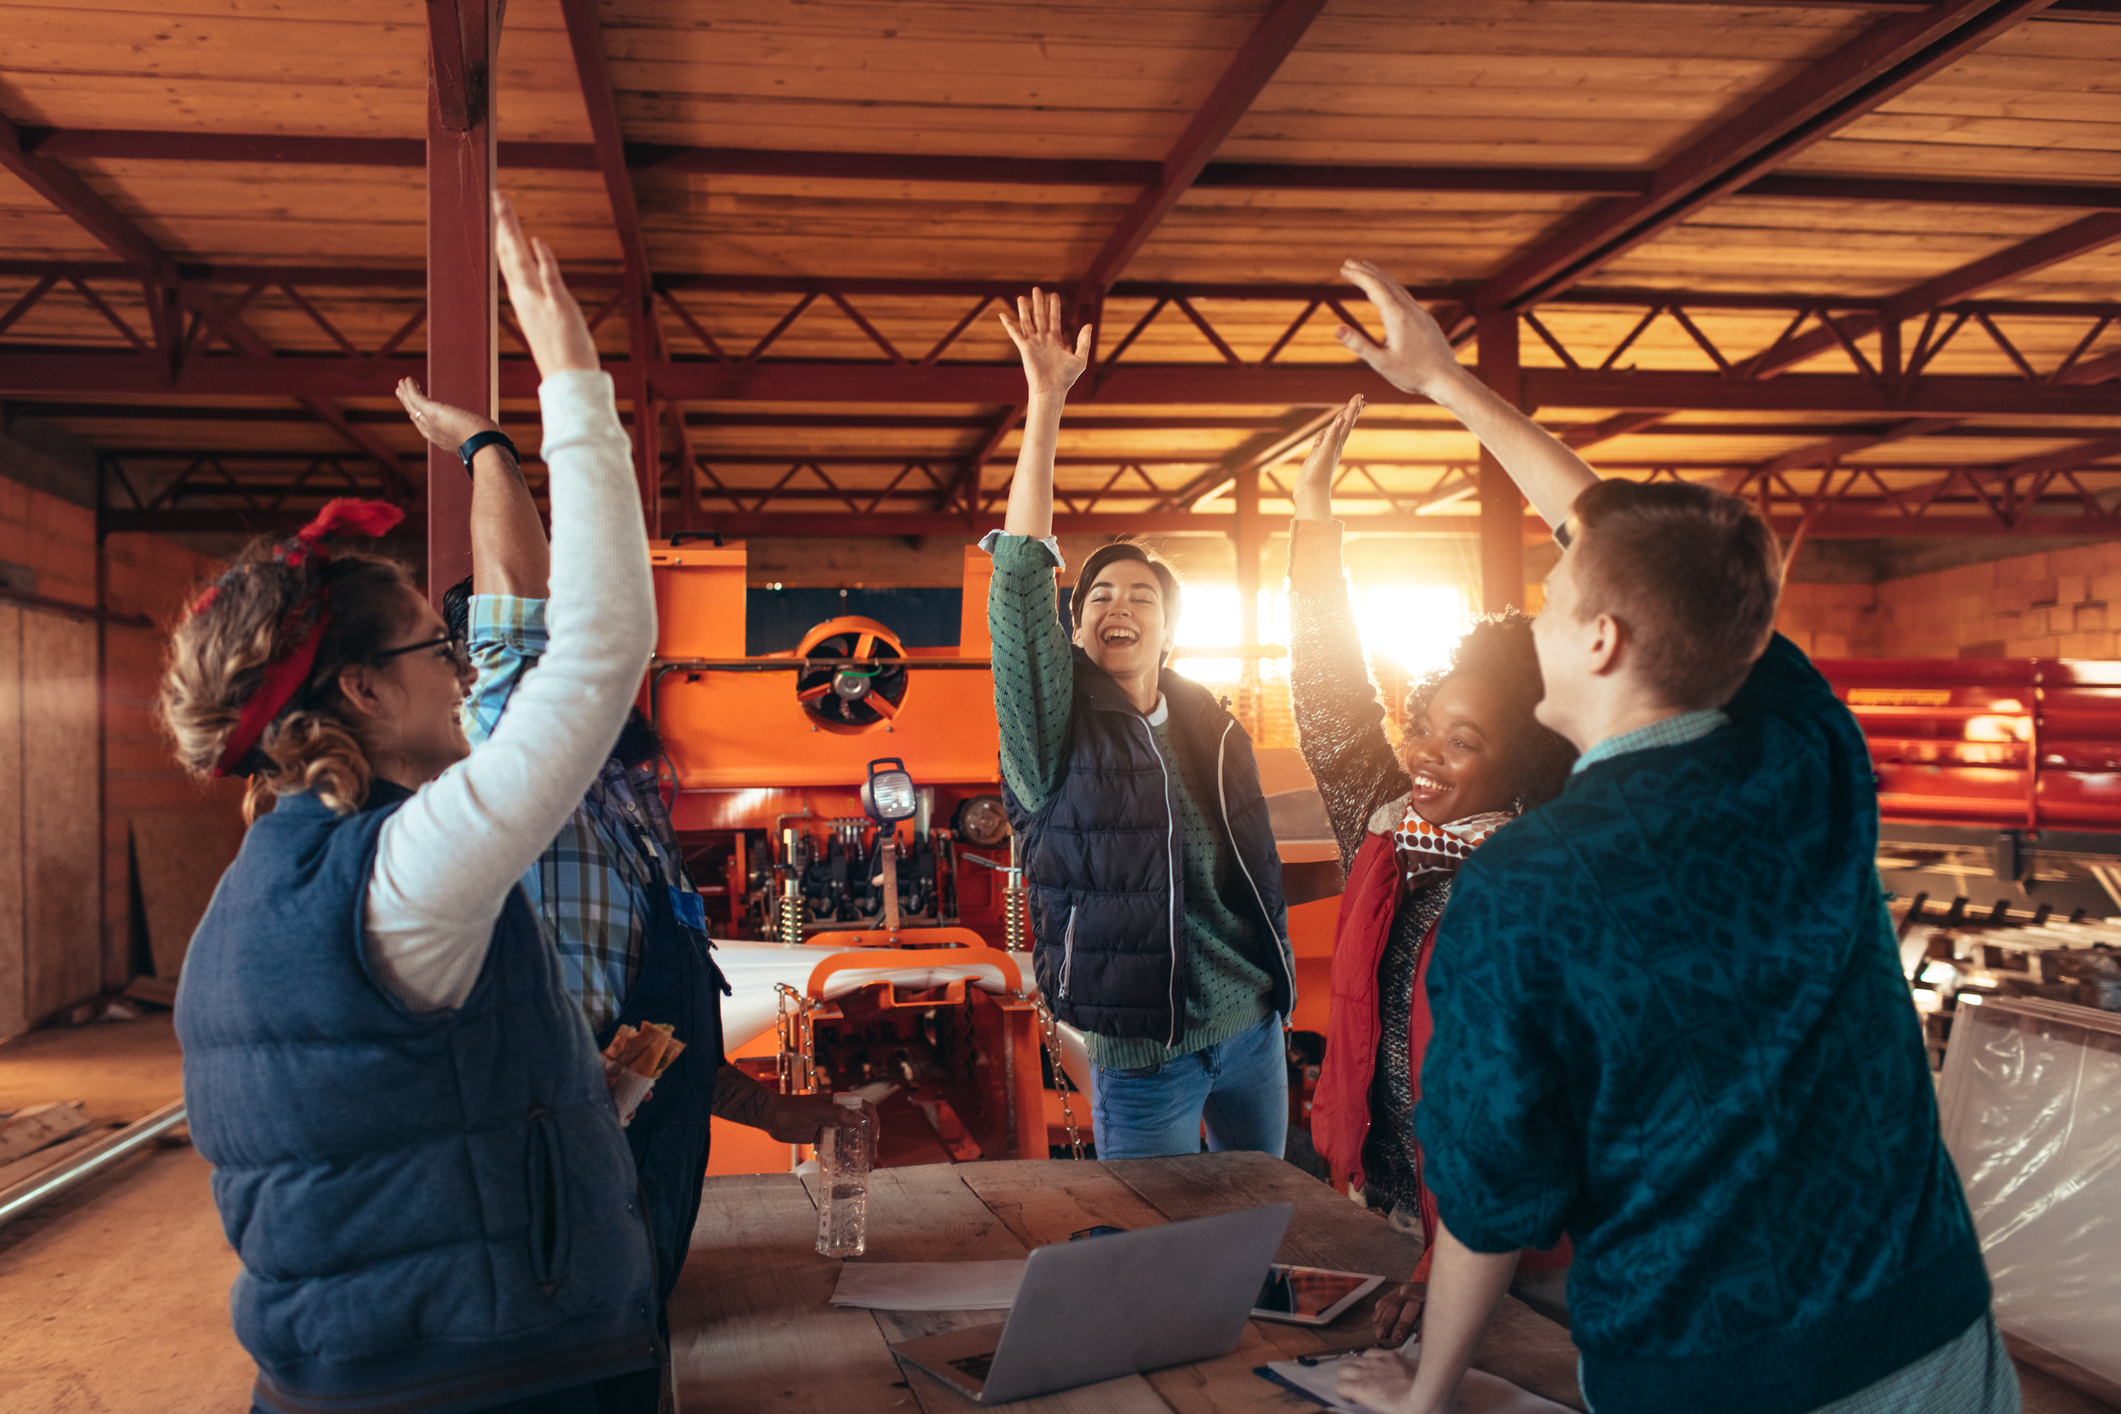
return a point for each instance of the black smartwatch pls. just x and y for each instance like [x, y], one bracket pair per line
[478, 440]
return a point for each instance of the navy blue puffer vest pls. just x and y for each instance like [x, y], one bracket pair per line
[435, 1211]
[1103, 860]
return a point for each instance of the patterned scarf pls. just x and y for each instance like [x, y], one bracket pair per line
[1428, 853]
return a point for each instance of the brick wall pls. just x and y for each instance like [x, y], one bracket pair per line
[2053, 604]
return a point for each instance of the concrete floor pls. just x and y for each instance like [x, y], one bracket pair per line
[114, 1299]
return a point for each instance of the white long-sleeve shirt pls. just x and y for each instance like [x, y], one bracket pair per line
[447, 858]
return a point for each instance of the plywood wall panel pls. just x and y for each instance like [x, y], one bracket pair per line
[13, 878]
[61, 822]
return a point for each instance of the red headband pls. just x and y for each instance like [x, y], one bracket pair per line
[285, 675]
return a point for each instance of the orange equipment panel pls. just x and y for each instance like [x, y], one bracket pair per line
[740, 726]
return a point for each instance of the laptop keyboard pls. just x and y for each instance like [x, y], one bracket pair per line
[976, 1366]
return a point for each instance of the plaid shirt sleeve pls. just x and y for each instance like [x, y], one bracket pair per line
[507, 639]
[579, 887]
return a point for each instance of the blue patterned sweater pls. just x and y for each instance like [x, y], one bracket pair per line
[1670, 1021]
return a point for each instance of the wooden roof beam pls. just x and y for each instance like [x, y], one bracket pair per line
[585, 36]
[322, 409]
[1832, 449]
[964, 490]
[1249, 70]
[1881, 63]
[2079, 237]
[2094, 370]
[1620, 424]
[1254, 454]
[1861, 522]
[2071, 458]
[79, 202]
[125, 144]
[85, 207]
[34, 372]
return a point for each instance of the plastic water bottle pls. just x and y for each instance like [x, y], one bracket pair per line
[844, 1154]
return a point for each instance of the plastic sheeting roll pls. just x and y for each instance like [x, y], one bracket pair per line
[753, 969]
[2031, 1105]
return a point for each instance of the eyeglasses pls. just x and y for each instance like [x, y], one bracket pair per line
[459, 652]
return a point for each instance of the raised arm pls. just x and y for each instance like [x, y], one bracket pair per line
[1050, 368]
[447, 859]
[1339, 721]
[508, 550]
[1415, 357]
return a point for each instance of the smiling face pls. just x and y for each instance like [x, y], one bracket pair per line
[1123, 628]
[1456, 752]
[406, 706]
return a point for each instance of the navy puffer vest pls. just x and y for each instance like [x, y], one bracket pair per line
[1103, 860]
[435, 1211]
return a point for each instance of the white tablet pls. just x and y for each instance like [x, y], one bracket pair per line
[1310, 1296]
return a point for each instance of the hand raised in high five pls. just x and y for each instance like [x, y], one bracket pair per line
[551, 321]
[447, 426]
[1314, 484]
[1050, 365]
[1415, 356]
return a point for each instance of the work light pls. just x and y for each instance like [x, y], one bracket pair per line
[887, 796]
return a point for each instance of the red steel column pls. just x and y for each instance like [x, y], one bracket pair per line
[1249, 540]
[462, 308]
[1501, 506]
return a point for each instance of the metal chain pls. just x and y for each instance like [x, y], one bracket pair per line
[1049, 1038]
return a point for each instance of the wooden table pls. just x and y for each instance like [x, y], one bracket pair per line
[752, 1327]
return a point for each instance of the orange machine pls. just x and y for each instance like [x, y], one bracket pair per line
[892, 951]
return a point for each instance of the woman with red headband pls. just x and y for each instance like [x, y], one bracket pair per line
[415, 1155]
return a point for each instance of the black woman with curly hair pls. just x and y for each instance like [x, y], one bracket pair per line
[1472, 759]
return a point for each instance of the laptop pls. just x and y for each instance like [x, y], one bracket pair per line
[1114, 1305]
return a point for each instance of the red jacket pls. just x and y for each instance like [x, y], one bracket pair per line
[1340, 1107]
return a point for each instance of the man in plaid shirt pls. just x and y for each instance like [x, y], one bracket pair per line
[612, 891]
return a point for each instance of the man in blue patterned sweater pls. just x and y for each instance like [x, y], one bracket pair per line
[1670, 1020]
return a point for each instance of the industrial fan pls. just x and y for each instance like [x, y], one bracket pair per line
[865, 686]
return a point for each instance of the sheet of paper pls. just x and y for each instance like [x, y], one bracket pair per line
[1479, 1393]
[930, 1286]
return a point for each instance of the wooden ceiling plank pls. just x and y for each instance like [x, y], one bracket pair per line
[1882, 62]
[2079, 237]
[585, 37]
[85, 207]
[1249, 70]
[1831, 450]
[121, 144]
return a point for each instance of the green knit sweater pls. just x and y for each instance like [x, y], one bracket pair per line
[1034, 687]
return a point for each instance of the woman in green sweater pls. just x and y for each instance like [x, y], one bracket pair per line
[1155, 889]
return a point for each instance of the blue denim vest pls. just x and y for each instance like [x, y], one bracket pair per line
[435, 1210]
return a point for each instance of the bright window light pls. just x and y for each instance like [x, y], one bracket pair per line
[1415, 625]
[1208, 619]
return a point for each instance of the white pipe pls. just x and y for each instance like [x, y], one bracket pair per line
[60, 1178]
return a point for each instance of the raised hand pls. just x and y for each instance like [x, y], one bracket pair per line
[551, 321]
[1314, 484]
[1415, 356]
[446, 426]
[1050, 365]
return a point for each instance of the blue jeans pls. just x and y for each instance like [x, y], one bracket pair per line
[1239, 1086]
